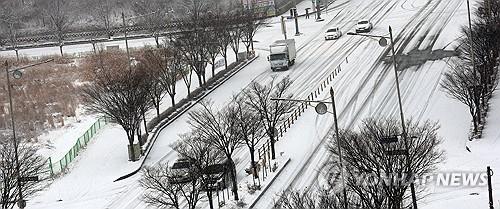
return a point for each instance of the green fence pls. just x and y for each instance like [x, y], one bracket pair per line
[56, 167]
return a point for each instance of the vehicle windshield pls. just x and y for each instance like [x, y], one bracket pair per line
[363, 22]
[332, 30]
[277, 57]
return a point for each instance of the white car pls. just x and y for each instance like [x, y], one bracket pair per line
[364, 26]
[333, 33]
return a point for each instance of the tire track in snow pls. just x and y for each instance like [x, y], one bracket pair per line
[385, 70]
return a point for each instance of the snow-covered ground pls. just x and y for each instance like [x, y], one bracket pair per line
[364, 88]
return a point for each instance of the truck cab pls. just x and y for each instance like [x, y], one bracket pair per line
[282, 54]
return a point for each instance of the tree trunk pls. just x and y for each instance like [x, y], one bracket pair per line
[210, 200]
[200, 79]
[130, 136]
[145, 125]
[254, 166]
[157, 41]
[273, 152]
[236, 54]
[61, 50]
[474, 121]
[172, 99]
[157, 107]
[251, 43]
[225, 59]
[233, 179]
[213, 67]
[138, 132]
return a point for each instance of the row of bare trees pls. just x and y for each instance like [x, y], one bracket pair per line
[114, 82]
[195, 16]
[474, 74]
[373, 178]
[58, 14]
[209, 31]
[215, 136]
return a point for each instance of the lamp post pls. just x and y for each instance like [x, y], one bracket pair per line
[383, 42]
[17, 74]
[126, 41]
[321, 109]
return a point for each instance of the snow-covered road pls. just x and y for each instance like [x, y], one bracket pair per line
[364, 88]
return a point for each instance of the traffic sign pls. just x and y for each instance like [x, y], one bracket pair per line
[29, 178]
[389, 139]
[397, 152]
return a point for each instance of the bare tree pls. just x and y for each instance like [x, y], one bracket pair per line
[116, 91]
[213, 48]
[173, 67]
[102, 10]
[58, 12]
[193, 41]
[153, 62]
[11, 14]
[224, 36]
[251, 24]
[205, 158]
[461, 84]
[159, 191]
[272, 112]
[251, 128]
[376, 178]
[485, 46]
[153, 14]
[31, 164]
[220, 130]
[235, 35]
[324, 199]
[187, 74]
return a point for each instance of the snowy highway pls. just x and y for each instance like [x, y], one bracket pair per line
[369, 91]
[364, 87]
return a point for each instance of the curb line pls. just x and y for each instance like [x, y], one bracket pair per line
[167, 122]
[269, 185]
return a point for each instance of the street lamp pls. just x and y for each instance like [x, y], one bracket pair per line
[17, 74]
[383, 42]
[322, 109]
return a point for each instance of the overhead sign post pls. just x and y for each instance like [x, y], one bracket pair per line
[283, 26]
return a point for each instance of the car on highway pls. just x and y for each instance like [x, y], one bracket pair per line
[180, 171]
[364, 26]
[333, 33]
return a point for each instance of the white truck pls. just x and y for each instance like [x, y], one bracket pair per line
[283, 54]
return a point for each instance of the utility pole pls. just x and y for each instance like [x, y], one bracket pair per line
[321, 109]
[404, 134]
[126, 41]
[489, 172]
[332, 95]
[21, 203]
